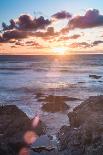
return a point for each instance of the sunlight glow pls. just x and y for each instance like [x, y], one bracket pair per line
[59, 50]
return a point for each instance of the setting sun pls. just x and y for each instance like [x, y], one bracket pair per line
[59, 50]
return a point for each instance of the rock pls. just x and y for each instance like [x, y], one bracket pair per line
[54, 104]
[14, 124]
[84, 136]
[42, 143]
[100, 81]
[51, 98]
[95, 76]
[39, 94]
[81, 82]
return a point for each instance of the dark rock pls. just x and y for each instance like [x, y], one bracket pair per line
[54, 104]
[95, 76]
[42, 143]
[13, 125]
[84, 136]
[54, 107]
[39, 94]
[81, 82]
[52, 98]
[100, 81]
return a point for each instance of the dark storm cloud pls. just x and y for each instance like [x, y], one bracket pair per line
[26, 22]
[95, 43]
[92, 18]
[62, 15]
[80, 45]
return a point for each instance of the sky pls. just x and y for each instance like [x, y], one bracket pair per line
[51, 26]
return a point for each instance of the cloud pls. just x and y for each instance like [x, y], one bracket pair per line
[20, 34]
[80, 45]
[92, 18]
[9, 27]
[34, 44]
[85, 44]
[65, 38]
[75, 36]
[13, 34]
[64, 30]
[24, 26]
[1, 39]
[50, 32]
[19, 43]
[26, 22]
[95, 43]
[13, 46]
[61, 15]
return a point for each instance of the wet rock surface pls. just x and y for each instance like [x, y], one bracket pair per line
[93, 76]
[53, 103]
[55, 107]
[84, 136]
[13, 125]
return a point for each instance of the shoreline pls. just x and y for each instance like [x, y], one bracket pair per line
[68, 135]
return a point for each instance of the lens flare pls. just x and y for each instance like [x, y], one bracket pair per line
[24, 151]
[30, 137]
[36, 121]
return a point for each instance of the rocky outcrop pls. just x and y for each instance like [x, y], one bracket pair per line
[84, 136]
[14, 124]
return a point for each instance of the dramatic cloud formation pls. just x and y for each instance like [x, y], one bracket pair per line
[62, 15]
[27, 32]
[26, 22]
[22, 27]
[91, 19]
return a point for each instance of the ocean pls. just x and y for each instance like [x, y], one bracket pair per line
[22, 77]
